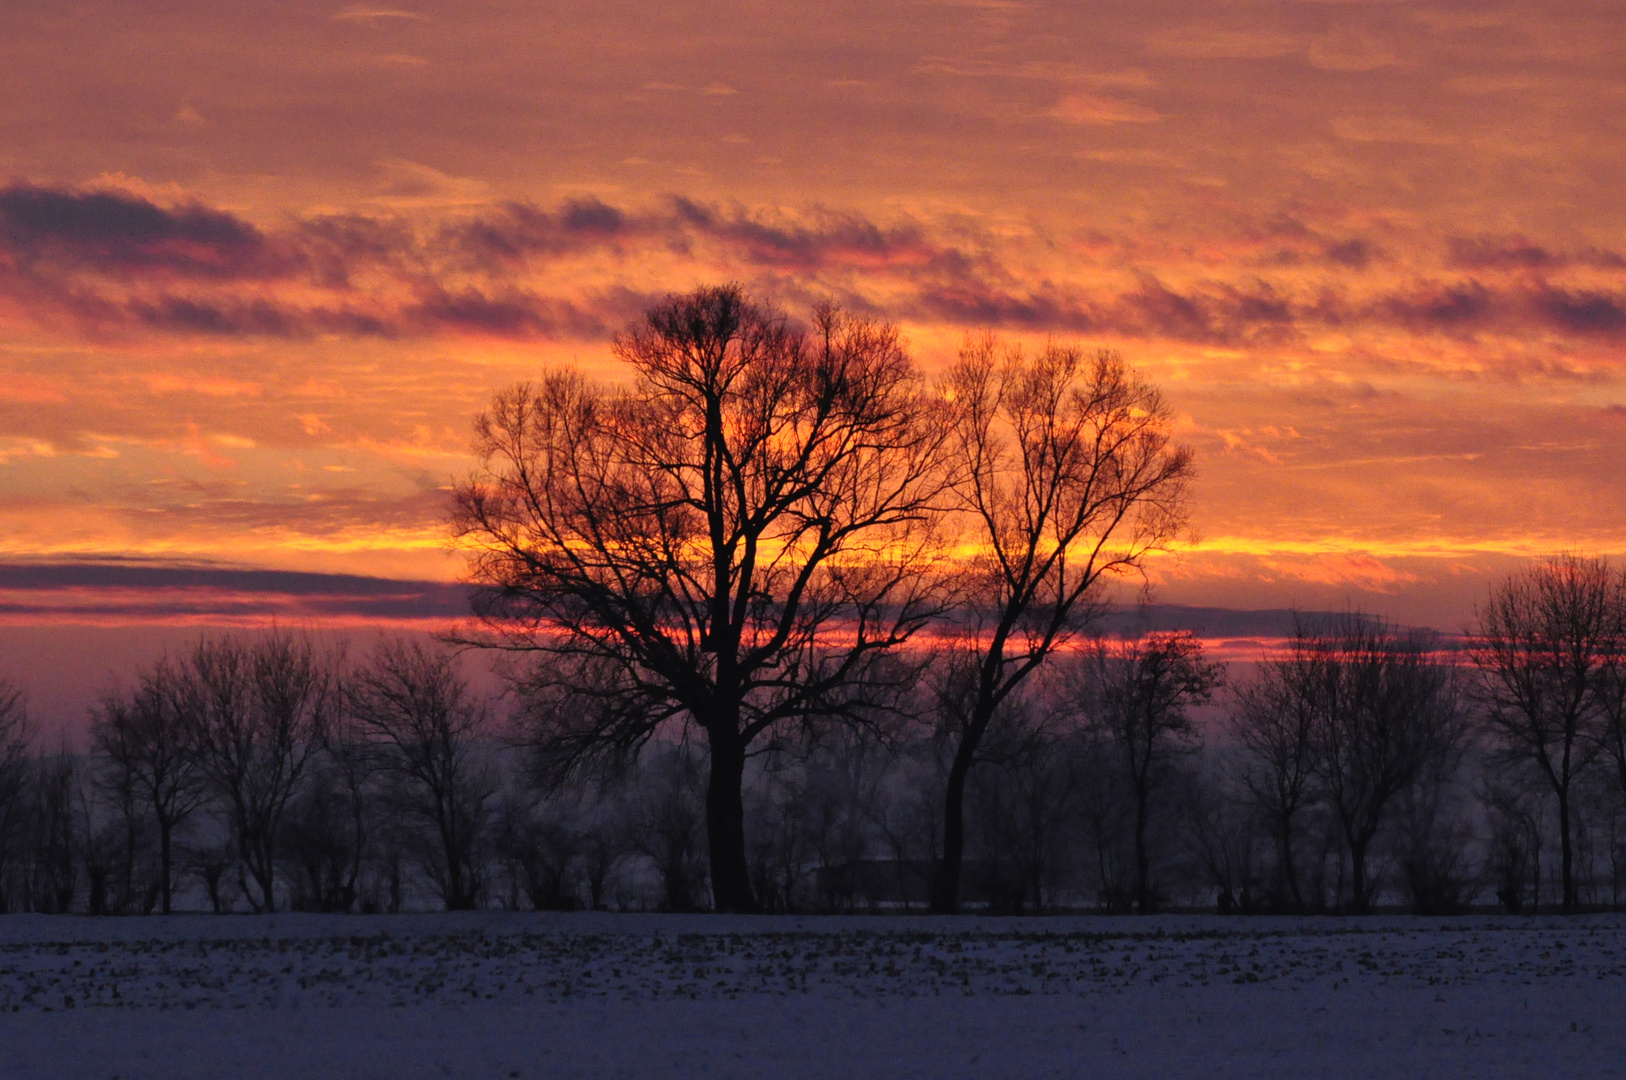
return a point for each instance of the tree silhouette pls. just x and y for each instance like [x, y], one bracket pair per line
[152, 746]
[412, 701]
[734, 538]
[1065, 475]
[15, 738]
[261, 709]
[1138, 694]
[1274, 718]
[1386, 710]
[1610, 693]
[1543, 649]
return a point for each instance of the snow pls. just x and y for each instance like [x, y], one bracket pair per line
[528, 995]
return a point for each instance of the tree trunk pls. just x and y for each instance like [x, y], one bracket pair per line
[128, 870]
[164, 860]
[1357, 859]
[459, 886]
[358, 825]
[1288, 869]
[97, 902]
[1566, 853]
[1535, 868]
[725, 827]
[1143, 862]
[262, 869]
[945, 893]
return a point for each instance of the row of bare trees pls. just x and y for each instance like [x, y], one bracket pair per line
[274, 760]
[1358, 764]
[1348, 717]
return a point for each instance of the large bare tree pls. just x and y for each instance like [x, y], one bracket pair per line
[733, 537]
[1543, 649]
[1066, 476]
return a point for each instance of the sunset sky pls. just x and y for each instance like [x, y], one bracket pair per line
[260, 264]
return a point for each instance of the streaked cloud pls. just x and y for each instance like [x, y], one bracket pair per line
[112, 262]
[1351, 50]
[367, 13]
[146, 593]
[1223, 43]
[1094, 109]
[46, 229]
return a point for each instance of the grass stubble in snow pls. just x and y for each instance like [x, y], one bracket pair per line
[520, 995]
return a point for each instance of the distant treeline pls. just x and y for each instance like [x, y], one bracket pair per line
[1359, 765]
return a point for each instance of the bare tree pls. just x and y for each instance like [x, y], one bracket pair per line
[732, 539]
[666, 822]
[778, 842]
[1106, 814]
[1387, 712]
[1350, 715]
[152, 749]
[540, 843]
[1613, 828]
[261, 708]
[412, 700]
[119, 837]
[1221, 828]
[54, 828]
[601, 853]
[1434, 841]
[210, 864]
[1023, 809]
[845, 780]
[1274, 718]
[15, 738]
[1138, 694]
[1610, 684]
[1066, 475]
[327, 832]
[1514, 811]
[1542, 652]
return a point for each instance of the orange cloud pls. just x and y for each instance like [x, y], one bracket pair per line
[1093, 109]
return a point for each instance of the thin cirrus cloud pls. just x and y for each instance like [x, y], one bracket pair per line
[366, 14]
[1095, 109]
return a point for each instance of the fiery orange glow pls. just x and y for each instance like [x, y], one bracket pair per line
[259, 268]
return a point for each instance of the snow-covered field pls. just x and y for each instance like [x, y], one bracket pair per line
[519, 995]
